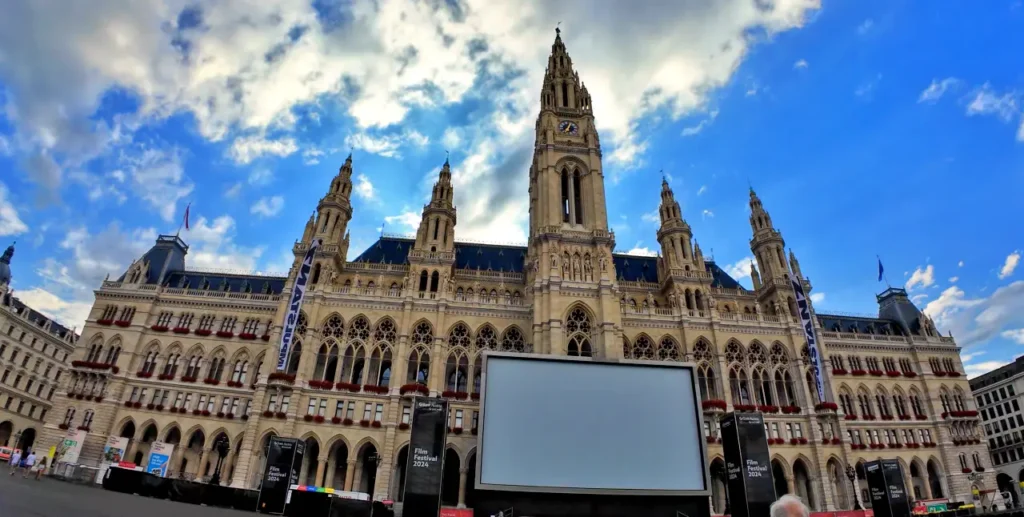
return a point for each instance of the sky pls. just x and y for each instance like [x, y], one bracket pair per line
[871, 129]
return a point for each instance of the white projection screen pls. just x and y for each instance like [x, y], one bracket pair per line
[577, 425]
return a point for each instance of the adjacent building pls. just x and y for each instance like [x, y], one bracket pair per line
[186, 356]
[998, 398]
[33, 353]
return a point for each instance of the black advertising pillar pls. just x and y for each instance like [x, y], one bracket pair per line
[284, 458]
[888, 492]
[425, 466]
[748, 468]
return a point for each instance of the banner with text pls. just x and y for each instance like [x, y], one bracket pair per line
[748, 469]
[71, 447]
[295, 303]
[807, 322]
[159, 458]
[887, 489]
[425, 466]
[284, 458]
[113, 453]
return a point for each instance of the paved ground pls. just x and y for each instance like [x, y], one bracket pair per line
[51, 498]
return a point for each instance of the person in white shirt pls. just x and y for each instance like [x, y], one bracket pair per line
[15, 460]
[30, 462]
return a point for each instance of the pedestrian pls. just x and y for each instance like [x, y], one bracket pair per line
[40, 468]
[15, 460]
[29, 465]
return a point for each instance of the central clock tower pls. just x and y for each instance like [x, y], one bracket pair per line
[570, 251]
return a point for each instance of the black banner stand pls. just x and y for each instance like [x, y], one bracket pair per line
[887, 489]
[425, 466]
[284, 458]
[747, 464]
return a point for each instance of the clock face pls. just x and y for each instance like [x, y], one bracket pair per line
[568, 128]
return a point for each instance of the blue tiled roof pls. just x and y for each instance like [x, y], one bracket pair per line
[632, 268]
[234, 283]
[862, 325]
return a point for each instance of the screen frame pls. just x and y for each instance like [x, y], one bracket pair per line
[699, 413]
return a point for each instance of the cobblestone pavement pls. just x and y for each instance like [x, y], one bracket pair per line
[51, 498]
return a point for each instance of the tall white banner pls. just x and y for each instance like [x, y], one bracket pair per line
[113, 453]
[71, 447]
[812, 340]
[295, 303]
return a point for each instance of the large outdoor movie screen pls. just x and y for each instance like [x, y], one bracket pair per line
[566, 425]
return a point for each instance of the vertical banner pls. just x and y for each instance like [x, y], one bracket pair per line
[812, 340]
[425, 466]
[295, 303]
[71, 447]
[159, 458]
[887, 489]
[113, 453]
[284, 459]
[747, 465]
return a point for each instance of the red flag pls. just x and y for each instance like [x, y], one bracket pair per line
[187, 207]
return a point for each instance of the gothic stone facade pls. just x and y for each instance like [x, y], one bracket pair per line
[196, 352]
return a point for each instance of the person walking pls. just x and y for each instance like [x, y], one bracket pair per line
[40, 468]
[15, 460]
[29, 466]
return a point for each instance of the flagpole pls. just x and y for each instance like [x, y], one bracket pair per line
[182, 223]
[884, 276]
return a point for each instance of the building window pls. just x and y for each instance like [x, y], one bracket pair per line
[188, 401]
[339, 409]
[202, 402]
[367, 408]
[378, 414]
[272, 404]
[69, 416]
[87, 419]
[177, 400]
[458, 418]
[234, 406]
[211, 404]
[312, 406]
[164, 320]
[323, 407]
[225, 405]
[284, 403]
[248, 407]
[406, 414]
[351, 411]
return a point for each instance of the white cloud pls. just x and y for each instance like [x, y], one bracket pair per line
[638, 249]
[70, 313]
[740, 269]
[985, 101]
[918, 299]
[10, 221]
[953, 279]
[416, 138]
[867, 88]
[702, 190]
[245, 68]
[1015, 335]
[407, 220]
[967, 356]
[233, 190]
[451, 138]
[363, 188]
[386, 146]
[248, 148]
[5, 147]
[158, 177]
[706, 213]
[800, 64]
[960, 264]
[978, 320]
[937, 89]
[651, 217]
[817, 298]
[707, 121]
[213, 246]
[865, 27]
[976, 369]
[921, 277]
[312, 155]
[1009, 265]
[260, 177]
[267, 206]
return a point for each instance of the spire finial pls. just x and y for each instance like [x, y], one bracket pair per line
[446, 157]
[558, 31]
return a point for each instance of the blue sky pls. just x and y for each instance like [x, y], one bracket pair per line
[889, 128]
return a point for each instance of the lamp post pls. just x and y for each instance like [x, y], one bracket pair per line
[851, 473]
[221, 446]
[17, 438]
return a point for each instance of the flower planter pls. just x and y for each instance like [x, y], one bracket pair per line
[123, 324]
[247, 336]
[826, 406]
[910, 375]
[921, 417]
[348, 386]
[474, 396]
[939, 374]
[99, 399]
[181, 330]
[308, 418]
[793, 441]
[744, 407]
[144, 375]
[850, 417]
[403, 427]
[245, 418]
[965, 471]
[234, 384]
[281, 415]
[158, 328]
[318, 419]
[265, 337]
[364, 423]
[159, 407]
[375, 424]
[220, 414]
[64, 427]
[225, 334]
[768, 409]
[836, 441]
[839, 371]
[373, 388]
[858, 373]
[876, 373]
[459, 395]
[712, 404]
[892, 374]
[347, 421]
[268, 414]
[206, 412]
[474, 431]
[204, 332]
[414, 388]
[188, 379]
[230, 416]
[106, 322]
[336, 420]
[83, 428]
[791, 410]
[281, 377]
[211, 382]
[197, 412]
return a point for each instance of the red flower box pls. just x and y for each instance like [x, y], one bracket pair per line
[904, 417]
[965, 471]
[79, 396]
[870, 417]
[136, 405]
[826, 406]
[122, 323]
[953, 374]
[836, 441]
[364, 423]
[403, 426]
[414, 388]
[858, 373]
[347, 421]
[939, 374]
[803, 441]
[144, 375]
[850, 417]
[83, 428]
[234, 384]
[320, 385]
[910, 375]
[281, 376]
[921, 417]
[211, 382]
[348, 386]
[892, 373]
[159, 328]
[127, 403]
[876, 373]
[308, 418]
[115, 370]
[281, 414]
[268, 413]
[164, 377]
[63, 426]
[159, 407]
[839, 371]
[793, 441]
[744, 407]
[336, 420]
[265, 337]
[204, 332]
[197, 412]
[375, 424]
[474, 431]
[245, 418]
[373, 388]
[230, 416]
[980, 469]
[474, 396]
[99, 399]
[710, 439]
[225, 333]
[768, 409]
[713, 404]
[318, 419]
[181, 330]
[791, 410]
[206, 412]
[150, 406]
[886, 417]
[104, 322]
[459, 395]
[248, 336]
[220, 414]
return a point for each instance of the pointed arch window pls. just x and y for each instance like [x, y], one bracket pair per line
[577, 196]
[706, 381]
[579, 328]
[565, 196]
[739, 385]
[434, 279]
[316, 274]
[423, 281]
[565, 94]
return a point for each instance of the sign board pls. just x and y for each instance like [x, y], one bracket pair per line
[284, 459]
[291, 318]
[159, 458]
[747, 464]
[456, 512]
[425, 466]
[113, 454]
[71, 448]
[886, 488]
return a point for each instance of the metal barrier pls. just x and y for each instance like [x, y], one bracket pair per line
[74, 473]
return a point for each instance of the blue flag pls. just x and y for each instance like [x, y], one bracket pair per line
[880, 270]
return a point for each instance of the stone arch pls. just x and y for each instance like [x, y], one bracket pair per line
[168, 428]
[578, 305]
[196, 349]
[417, 324]
[326, 319]
[219, 351]
[669, 349]
[757, 353]
[513, 339]
[780, 475]
[334, 441]
[266, 434]
[570, 163]
[120, 427]
[802, 484]
[242, 354]
[145, 425]
[361, 444]
[219, 431]
[643, 347]
[735, 352]
[311, 435]
[458, 451]
[174, 348]
[469, 455]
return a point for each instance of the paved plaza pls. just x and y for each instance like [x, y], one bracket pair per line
[50, 498]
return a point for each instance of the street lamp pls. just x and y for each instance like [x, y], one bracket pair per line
[851, 473]
[221, 446]
[17, 438]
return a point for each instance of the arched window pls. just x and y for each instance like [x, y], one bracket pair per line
[577, 196]
[239, 371]
[784, 388]
[740, 387]
[668, 350]
[69, 416]
[457, 373]
[294, 357]
[706, 381]
[316, 274]
[762, 387]
[434, 279]
[419, 366]
[642, 348]
[423, 281]
[512, 341]
[565, 195]
[578, 327]
[194, 363]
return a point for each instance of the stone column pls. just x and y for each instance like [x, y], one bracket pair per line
[331, 465]
[349, 474]
[202, 463]
[462, 487]
[321, 465]
[245, 454]
[791, 487]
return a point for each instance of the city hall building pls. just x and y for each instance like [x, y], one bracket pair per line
[188, 357]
